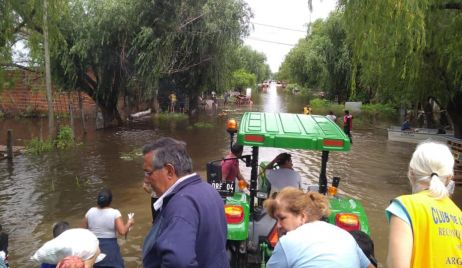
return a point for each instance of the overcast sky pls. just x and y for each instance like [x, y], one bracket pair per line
[292, 18]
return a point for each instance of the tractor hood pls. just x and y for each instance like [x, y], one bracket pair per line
[295, 131]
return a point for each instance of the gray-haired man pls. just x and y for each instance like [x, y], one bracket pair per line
[190, 225]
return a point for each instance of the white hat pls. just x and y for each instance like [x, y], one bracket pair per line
[73, 242]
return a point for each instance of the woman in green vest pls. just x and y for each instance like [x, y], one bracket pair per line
[426, 226]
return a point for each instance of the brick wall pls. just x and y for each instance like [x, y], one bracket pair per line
[24, 92]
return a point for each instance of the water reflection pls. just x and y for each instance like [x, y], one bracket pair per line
[271, 102]
[37, 191]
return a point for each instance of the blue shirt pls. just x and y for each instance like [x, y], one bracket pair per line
[398, 210]
[318, 244]
[405, 125]
[190, 229]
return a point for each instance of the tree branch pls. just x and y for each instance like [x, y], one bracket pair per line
[182, 69]
[4, 64]
[190, 21]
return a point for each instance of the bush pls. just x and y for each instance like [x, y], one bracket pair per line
[322, 107]
[203, 125]
[170, 116]
[373, 113]
[370, 115]
[65, 138]
[297, 89]
[38, 146]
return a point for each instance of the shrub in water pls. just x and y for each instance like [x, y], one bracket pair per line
[65, 138]
[38, 146]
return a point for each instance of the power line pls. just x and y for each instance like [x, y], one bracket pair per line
[279, 27]
[268, 41]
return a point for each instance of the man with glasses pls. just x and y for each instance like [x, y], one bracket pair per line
[190, 226]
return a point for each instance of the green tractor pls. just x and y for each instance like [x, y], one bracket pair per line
[252, 234]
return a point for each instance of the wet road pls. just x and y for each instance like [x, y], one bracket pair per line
[37, 191]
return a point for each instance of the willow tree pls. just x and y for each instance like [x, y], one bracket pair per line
[409, 50]
[93, 53]
[188, 43]
[321, 60]
[253, 62]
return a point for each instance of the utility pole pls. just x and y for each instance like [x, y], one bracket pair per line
[51, 117]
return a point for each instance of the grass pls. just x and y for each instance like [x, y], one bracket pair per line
[64, 140]
[171, 116]
[371, 115]
[38, 146]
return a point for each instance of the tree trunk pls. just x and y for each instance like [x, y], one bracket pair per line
[454, 109]
[107, 104]
[51, 116]
[71, 113]
[82, 113]
[428, 109]
[111, 116]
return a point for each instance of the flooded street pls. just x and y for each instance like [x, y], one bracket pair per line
[37, 191]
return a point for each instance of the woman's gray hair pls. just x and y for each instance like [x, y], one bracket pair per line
[170, 151]
[431, 167]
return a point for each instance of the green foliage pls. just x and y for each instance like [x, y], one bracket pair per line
[65, 138]
[405, 51]
[252, 62]
[373, 113]
[243, 79]
[203, 125]
[322, 60]
[170, 116]
[189, 43]
[93, 55]
[31, 111]
[193, 44]
[37, 146]
[298, 89]
[323, 106]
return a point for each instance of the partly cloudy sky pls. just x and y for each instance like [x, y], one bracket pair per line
[279, 24]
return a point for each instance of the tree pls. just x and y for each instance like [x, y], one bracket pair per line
[253, 62]
[322, 60]
[93, 55]
[409, 50]
[46, 47]
[30, 22]
[189, 44]
[151, 43]
[243, 79]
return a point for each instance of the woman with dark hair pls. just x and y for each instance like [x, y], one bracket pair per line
[105, 222]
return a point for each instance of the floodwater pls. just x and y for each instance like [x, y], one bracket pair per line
[36, 191]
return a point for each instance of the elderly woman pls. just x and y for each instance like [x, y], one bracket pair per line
[308, 241]
[105, 222]
[425, 226]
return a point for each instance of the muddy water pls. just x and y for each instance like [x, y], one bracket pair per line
[36, 191]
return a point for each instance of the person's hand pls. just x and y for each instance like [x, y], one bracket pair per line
[131, 219]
